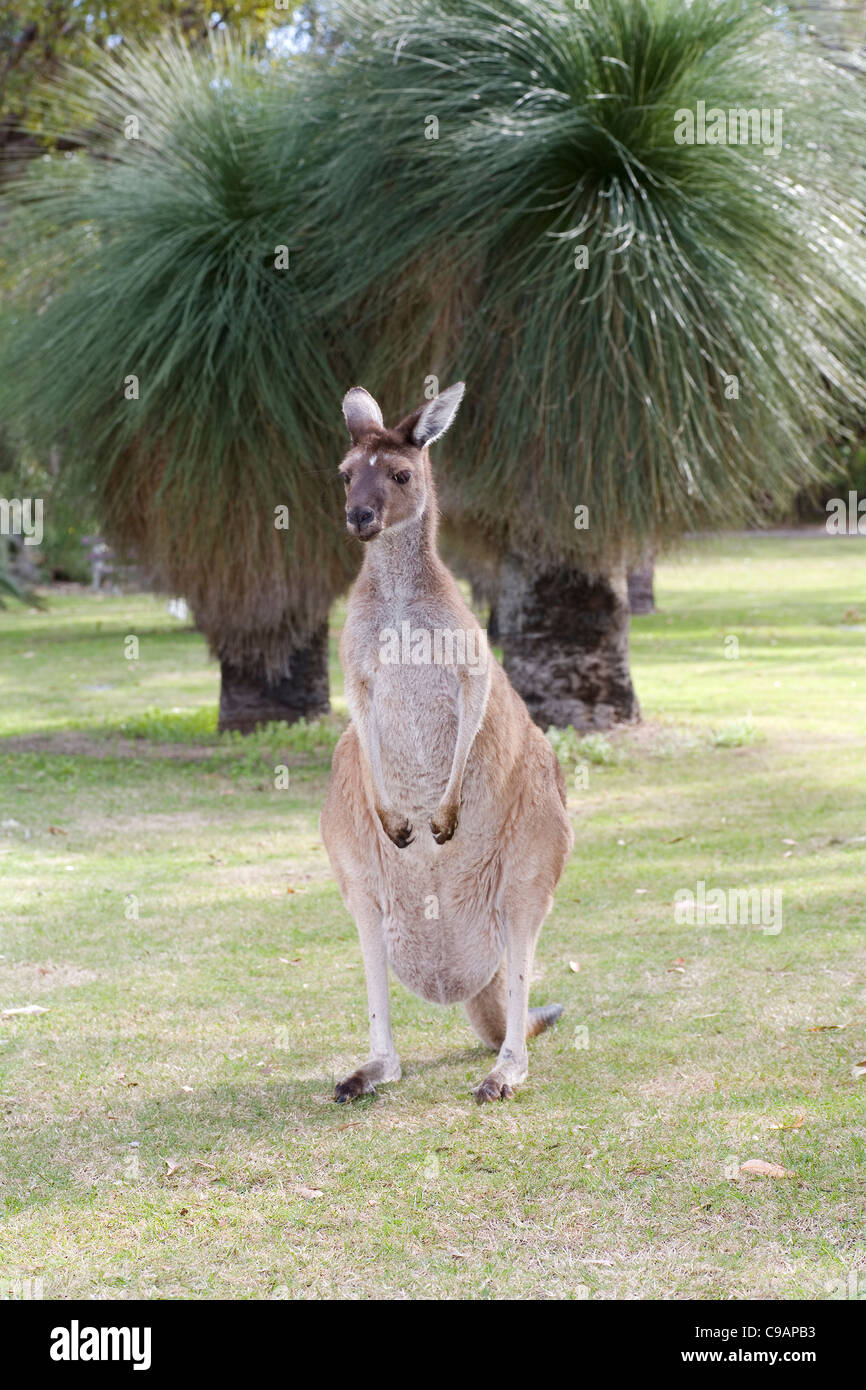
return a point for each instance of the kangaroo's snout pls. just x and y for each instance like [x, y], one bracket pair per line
[362, 521]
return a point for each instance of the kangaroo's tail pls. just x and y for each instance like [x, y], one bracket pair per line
[542, 1018]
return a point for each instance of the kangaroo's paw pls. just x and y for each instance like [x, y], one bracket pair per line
[363, 1081]
[397, 828]
[492, 1088]
[355, 1085]
[443, 824]
[509, 1071]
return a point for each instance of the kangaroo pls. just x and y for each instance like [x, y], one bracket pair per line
[445, 818]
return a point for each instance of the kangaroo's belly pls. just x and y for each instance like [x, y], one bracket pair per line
[443, 931]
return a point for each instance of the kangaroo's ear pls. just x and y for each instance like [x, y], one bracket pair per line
[434, 418]
[361, 412]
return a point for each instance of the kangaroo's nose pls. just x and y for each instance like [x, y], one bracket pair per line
[361, 516]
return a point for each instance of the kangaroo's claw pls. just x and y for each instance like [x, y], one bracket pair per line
[397, 828]
[443, 824]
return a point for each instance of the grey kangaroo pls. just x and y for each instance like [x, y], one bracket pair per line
[445, 818]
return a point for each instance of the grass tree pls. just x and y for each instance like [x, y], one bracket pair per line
[166, 336]
[660, 321]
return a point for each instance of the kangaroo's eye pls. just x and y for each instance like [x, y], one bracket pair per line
[346, 478]
[401, 478]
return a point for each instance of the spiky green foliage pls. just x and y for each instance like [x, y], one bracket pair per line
[608, 386]
[164, 249]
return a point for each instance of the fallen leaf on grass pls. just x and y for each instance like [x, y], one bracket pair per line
[792, 1124]
[25, 1009]
[763, 1169]
[858, 1069]
[826, 1027]
[574, 966]
[309, 1193]
[171, 1166]
[55, 830]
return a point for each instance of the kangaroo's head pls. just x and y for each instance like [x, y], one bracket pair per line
[386, 472]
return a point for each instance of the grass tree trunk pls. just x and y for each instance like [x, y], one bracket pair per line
[641, 597]
[248, 698]
[565, 639]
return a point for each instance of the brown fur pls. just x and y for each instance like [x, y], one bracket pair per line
[444, 820]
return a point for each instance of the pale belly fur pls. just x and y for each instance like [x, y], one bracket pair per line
[443, 930]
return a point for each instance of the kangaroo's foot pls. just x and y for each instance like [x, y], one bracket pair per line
[508, 1073]
[444, 823]
[396, 827]
[492, 1089]
[363, 1082]
[510, 1070]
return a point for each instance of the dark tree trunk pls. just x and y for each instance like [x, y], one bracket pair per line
[641, 598]
[565, 637]
[247, 700]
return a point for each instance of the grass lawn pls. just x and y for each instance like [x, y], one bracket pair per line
[168, 1129]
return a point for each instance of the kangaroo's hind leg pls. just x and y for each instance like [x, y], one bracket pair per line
[346, 825]
[500, 1013]
[383, 1064]
[486, 1010]
[488, 1014]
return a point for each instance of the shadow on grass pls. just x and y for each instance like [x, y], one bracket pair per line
[193, 1130]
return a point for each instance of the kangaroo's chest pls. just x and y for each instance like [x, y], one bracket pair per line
[416, 714]
[410, 656]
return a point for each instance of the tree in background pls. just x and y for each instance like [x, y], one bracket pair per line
[179, 359]
[656, 335]
[38, 38]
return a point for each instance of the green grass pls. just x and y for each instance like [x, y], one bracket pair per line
[168, 1117]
